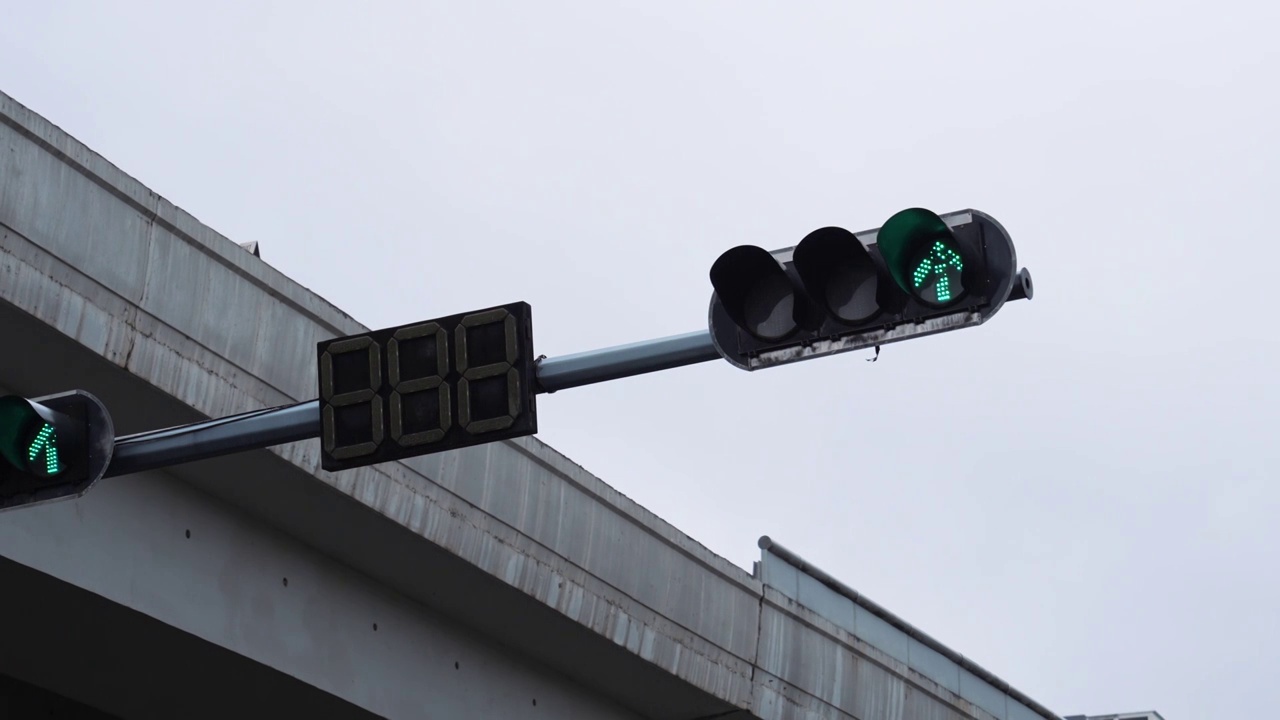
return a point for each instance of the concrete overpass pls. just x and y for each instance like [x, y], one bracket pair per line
[501, 581]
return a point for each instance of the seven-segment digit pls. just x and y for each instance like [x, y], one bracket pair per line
[421, 352]
[346, 434]
[486, 345]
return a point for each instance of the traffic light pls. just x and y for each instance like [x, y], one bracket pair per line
[918, 274]
[52, 447]
[427, 387]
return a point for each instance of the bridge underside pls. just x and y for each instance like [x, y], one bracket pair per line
[91, 651]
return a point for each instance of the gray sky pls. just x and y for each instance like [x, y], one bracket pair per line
[1080, 495]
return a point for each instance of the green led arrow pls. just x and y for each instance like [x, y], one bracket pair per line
[46, 442]
[938, 274]
[30, 436]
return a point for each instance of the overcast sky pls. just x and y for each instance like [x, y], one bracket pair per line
[1080, 495]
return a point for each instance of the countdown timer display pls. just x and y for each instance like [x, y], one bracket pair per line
[427, 387]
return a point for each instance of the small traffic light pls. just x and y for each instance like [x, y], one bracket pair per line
[427, 387]
[52, 447]
[919, 274]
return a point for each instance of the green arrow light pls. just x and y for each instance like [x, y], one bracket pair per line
[46, 442]
[30, 435]
[923, 256]
[936, 278]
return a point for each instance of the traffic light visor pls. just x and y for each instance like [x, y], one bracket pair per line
[838, 272]
[756, 292]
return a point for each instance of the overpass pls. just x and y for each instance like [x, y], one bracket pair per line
[499, 581]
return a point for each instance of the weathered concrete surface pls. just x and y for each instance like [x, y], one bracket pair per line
[561, 588]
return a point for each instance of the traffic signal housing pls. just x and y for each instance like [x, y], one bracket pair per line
[918, 274]
[53, 447]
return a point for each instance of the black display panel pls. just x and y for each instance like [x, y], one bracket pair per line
[427, 387]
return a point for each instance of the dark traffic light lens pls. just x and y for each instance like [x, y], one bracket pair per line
[755, 292]
[837, 270]
[936, 272]
[851, 293]
[769, 308]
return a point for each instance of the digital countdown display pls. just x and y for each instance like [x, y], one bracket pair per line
[427, 387]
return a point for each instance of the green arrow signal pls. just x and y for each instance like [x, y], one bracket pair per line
[46, 441]
[940, 270]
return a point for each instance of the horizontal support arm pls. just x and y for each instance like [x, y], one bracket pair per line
[290, 423]
[622, 361]
[210, 438]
